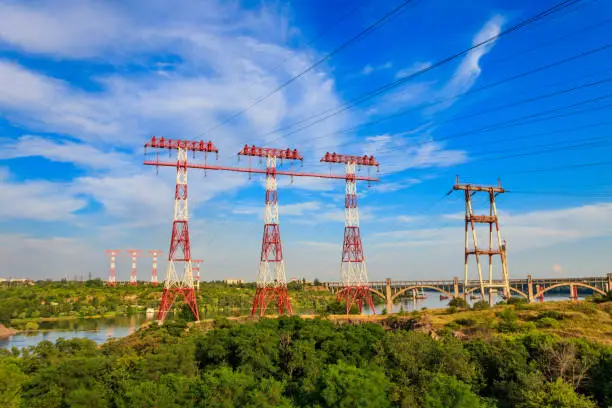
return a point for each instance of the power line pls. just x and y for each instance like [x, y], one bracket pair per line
[324, 115]
[480, 89]
[558, 168]
[337, 50]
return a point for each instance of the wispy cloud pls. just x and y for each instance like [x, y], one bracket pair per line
[369, 69]
[469, 69]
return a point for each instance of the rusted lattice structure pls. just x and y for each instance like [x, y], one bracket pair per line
[484, 285]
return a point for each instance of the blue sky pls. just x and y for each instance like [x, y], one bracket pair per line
[86, 83]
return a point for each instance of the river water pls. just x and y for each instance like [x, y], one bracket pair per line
[100, 330]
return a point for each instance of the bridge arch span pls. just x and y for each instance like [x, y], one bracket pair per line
[419, 287]
[475, 288]
[558, 285]
[377, 292]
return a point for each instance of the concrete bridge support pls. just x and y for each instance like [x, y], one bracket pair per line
[609, 284]
[456, 287]
[389, 297]
[530, 289]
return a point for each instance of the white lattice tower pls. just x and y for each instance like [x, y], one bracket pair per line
[272, 265]
[181, 217]
[113, 271]
[154, 253]
[133, 277]
[353, 270]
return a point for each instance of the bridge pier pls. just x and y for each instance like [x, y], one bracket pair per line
[609, 284]
[530, 289]
[456, 287]
[389, 297]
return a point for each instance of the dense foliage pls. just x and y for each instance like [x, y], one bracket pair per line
[93, 298]
[293, 362]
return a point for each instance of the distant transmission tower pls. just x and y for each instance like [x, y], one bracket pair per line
[353, 273]
[134, 253]
[112, 272]
[154, 253]
[175, 284]
[271, 279]
[196, 268]
[470, 223]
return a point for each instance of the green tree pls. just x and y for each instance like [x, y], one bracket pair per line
[11, 381]
[346, 386]
[445, 391]
[556, 394]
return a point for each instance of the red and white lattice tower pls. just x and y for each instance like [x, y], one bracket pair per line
[134, 253]
[176, 283]
[196, 268]
[271, 279]
[154, 253]
[353, 272]
[112, 272]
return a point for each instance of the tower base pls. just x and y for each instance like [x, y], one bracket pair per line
[171, 295]
[264, 296]
[356, 295]
[113, 284]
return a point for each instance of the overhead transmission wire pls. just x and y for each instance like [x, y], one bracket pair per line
[401, 81]
[329, 113]
[471, 92]
[369, 29]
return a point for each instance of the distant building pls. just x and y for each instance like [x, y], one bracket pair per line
[233, 281]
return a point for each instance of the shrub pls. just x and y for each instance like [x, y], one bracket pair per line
[481, 305]
[31, 326]
[458, 302]
[586, 308]
[508, 321]
[516, 301]
[465, 322]
[547, 322]
[551, 314]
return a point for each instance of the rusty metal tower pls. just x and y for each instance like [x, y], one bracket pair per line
[471, 219]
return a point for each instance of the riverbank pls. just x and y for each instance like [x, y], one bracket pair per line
[6, 332]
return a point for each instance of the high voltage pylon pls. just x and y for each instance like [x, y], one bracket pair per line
[491, 219]
[272, 285]
[154, 253]
[353, 272]
[112, 275]
[134, 253]
[177, 284]
[271, 279]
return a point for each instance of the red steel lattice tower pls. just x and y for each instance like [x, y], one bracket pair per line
[353, 272]
[112, 272]
[154, 253]
[271, 279]
[134, 253]
[178, 284]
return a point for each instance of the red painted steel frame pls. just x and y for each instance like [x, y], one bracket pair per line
[258, 171]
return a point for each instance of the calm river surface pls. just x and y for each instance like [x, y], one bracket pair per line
[100, 330]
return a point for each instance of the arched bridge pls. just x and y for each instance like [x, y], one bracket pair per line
[529, 288]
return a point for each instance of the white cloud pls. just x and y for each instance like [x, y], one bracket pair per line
[389, 187]
[82, 29]
[416, 67]
[64, 151]
[469, 70]
[37, 200]
[396, 152]
[219, 68]
[369, 69]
